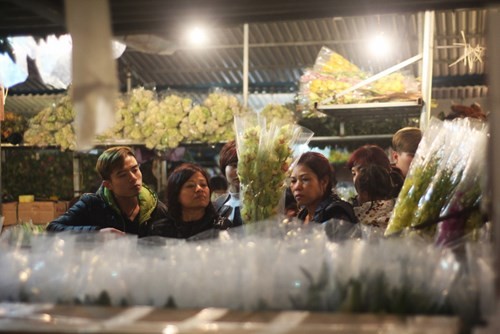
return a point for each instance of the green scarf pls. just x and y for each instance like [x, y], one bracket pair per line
[147, 202]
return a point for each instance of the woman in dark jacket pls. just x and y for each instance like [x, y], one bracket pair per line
[311, 185]
[228, 205]
[190, 210]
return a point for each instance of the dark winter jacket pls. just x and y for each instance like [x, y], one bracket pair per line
[173, 228]
[331, 208]
[93, 212]
[225, 210]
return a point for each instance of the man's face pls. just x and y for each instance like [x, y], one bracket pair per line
[403, 160]
[127, 180]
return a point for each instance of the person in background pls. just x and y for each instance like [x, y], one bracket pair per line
[291, 207]
[122, 204]
[375, 195]
[229, 205]
[404, 145]
[311, 185]
[190, 210]
[219, 186]
[373, 154]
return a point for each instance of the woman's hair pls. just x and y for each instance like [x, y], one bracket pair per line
[228, 155]
[218, 182]
[375, 181]
[368, 155]
[112, 159]
[176, 180]
[321, 167]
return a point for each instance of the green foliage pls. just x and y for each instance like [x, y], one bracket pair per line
[41, 172]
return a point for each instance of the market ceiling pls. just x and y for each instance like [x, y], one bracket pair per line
[164, 17]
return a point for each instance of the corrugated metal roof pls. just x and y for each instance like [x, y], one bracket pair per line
[281, 51]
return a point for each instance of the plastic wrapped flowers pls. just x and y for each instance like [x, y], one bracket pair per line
[440, 196]
[265, 155]
[283, 267]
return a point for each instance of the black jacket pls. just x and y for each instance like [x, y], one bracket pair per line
[93, 212]
[331, 208]
[172, 228]
[225, 210]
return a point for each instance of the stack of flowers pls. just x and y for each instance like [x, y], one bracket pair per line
[265, 154]
[212, 121]
[444, 177]
[131, 116]
[53, 126]
[278, 111]
[161, 128]
[143, 118]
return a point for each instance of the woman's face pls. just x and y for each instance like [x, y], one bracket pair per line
[355, 170]
[232, 177]
[306, 187]
[195, 193]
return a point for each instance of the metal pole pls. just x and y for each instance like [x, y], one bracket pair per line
[493, 50]
[77, 191]
[245, 65]
[427, 61]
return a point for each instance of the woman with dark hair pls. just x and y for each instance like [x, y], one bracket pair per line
[190, 210]
[375, 195]
[373, 154]
[311, 185]
[228, 205]
[377, 184]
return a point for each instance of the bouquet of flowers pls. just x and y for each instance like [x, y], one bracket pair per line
[442, 178]
[265, 155]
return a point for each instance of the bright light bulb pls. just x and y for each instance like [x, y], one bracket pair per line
[380, 45]
[197, 36]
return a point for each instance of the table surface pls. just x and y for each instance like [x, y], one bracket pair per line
[39, 318]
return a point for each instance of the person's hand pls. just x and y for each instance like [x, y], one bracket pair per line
[111, 230]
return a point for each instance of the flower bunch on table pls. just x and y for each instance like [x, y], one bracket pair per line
[53, 126]
[265, 154]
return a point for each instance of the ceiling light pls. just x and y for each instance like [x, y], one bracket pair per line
[380, 45]
[197, 36]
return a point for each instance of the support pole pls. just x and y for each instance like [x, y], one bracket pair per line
[245, 65]
[493, 155]
[427, 61]
[77, 190]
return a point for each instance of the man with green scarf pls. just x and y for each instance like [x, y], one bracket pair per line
[121, 205]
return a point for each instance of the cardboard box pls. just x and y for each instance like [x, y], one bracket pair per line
[9, 211]
[40, 212]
